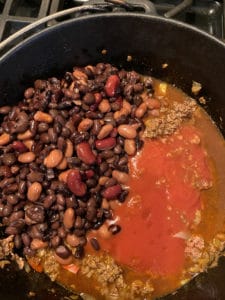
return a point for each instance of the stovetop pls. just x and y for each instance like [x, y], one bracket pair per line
[207, 15]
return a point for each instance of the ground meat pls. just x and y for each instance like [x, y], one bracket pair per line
[105, 271]
[6, 247]
[50, 266]
[170, 119]
[195, 246]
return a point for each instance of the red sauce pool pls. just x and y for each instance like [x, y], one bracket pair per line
[165, 192]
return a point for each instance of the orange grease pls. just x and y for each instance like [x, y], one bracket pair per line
[166, 179]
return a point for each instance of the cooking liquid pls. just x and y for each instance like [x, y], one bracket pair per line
[163, 205]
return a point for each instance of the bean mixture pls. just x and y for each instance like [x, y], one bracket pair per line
[63, 155]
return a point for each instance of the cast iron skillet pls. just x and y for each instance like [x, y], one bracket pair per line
[151, 41]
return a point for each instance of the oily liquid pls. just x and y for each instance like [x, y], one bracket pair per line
[212, 214]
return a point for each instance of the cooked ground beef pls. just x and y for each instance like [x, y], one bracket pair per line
[170, 119]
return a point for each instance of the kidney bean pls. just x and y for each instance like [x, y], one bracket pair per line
[34, 191]
[105, 144]
[112, 85]
[129, 146]
[19, 146]
[69, 218]
[112, 192]
[85, 153]
[26, 157]
[53, 159]
[75, 184]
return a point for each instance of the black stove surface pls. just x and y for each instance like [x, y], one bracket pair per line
[207, 15]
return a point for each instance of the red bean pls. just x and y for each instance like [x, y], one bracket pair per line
[112, 85]
[85, 153]
[112, 192]
[106, 144]
[75, 184]
[19, 146]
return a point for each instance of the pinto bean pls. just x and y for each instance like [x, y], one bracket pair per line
[72, 240]
[43, 117]
[141, 110]
[153, 103]
[34, 191]
[37, 244]
[85, 153]
[25, 135]
[104, 106]
[4, 139]
[129, 146]
[63, 164]
[127, 131]
[26, 157]
[121, 177]
[69, 218]
[69, 148]
[85, 125]
[29, 144]
[105, 131]
[53, 159]
[63, 176]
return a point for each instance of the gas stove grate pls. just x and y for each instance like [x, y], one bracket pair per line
[205, 14]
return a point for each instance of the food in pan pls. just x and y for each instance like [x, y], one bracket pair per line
[111, 183]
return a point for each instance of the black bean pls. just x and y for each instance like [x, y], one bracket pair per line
[28, 252]
[16, 216]
[22, 187]
[35, 177]
[95, 244]
[79, 253]
[63, 251]
[55, 241]
[18, 241]
[35, 214]
[89, 99]
[114, 228]
[7, 210]
[12, 199]
[26, 239]
[62, 232]
[66, 132]
[10, 230]
[5, 171]
[10, 189]
[122, 196]
[8, 159]
[48, 201]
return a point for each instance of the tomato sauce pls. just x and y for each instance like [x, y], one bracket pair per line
[161, 208]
